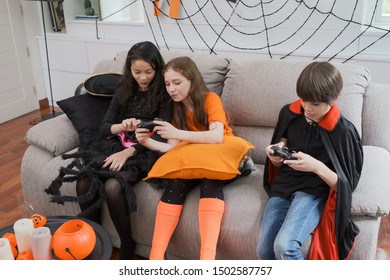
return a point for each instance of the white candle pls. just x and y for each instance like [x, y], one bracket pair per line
[5, 250]
[41, 244]
[23, 229]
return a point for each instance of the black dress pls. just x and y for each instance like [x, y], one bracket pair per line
[89, 158]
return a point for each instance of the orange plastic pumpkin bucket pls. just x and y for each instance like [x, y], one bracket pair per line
[74, 240]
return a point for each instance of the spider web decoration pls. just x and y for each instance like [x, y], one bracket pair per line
[279, 28]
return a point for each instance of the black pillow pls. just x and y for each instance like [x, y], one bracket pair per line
[86, 111]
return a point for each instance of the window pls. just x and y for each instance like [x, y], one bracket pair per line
[382, 16]
[121, 10]
[376, 14]
[386, 8]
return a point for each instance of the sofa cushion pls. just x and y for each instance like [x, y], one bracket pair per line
[376, 126]
[54, 136]
[194, 161]
[371, 197]
[213, 68]
[255, 91]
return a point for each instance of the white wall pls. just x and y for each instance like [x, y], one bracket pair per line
[295, 30]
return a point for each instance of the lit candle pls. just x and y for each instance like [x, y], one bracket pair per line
[41, 244]
[5, 250]
[23, 229]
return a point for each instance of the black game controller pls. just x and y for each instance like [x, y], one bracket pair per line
[149, 124]
[283, 152]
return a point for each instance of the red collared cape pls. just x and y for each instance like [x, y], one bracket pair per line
[335, 234]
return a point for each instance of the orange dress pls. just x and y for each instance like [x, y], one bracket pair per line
[216, 113]
[198, 160]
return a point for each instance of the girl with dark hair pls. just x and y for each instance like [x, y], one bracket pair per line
[139, 96]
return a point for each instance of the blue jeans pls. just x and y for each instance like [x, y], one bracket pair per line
[286, 224]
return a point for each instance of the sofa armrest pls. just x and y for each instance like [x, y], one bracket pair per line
[372, 195]
[55, 135]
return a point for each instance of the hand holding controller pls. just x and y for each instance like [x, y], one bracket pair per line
[283, 152]
[149, 124]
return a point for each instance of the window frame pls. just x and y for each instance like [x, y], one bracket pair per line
[379, 18]
[133, 13]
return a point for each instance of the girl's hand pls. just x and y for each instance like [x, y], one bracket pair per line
[166, 130]
[142, 135]
[130, 124]
[117, 160]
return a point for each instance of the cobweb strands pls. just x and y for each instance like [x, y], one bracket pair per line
[279, 28]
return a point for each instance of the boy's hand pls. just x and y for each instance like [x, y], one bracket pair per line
[304, 162]
[276, 160]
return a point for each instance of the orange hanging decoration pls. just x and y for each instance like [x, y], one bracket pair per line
[173, 9]
[74, 240]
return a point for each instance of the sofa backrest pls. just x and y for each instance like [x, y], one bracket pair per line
[376, 125]
[213, 68]
[255, 91]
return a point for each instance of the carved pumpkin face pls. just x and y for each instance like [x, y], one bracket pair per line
[39, 220]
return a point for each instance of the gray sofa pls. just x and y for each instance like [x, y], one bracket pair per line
[253, 93]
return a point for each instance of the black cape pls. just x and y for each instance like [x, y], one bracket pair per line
[335, 235]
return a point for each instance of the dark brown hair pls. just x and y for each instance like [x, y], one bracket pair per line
[187, 67]
[149, 53]
[319, 82]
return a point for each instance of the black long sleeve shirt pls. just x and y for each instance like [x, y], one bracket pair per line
[138, 108]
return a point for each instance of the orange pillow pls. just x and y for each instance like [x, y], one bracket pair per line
[196, 161]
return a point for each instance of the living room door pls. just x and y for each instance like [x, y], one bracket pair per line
[16, 79]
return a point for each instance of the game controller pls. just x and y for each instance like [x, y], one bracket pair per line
[283, 152]
[149, 124]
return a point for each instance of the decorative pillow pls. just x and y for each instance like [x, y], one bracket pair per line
[196, 161]
[86, 111]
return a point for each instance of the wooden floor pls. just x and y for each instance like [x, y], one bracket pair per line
[12, 206]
